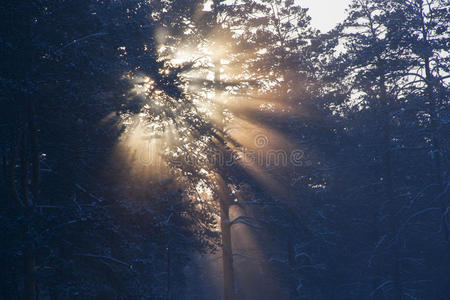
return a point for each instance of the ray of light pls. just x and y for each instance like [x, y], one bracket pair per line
[160, 134]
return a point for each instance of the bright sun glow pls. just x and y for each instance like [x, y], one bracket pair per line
[160, 134]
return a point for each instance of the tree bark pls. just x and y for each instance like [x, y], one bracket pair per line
[227, 250]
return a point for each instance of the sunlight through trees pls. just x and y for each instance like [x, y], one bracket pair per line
[216, 149]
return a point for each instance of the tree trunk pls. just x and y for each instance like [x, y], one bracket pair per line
[224, 201]
[439, 281]
[227, 250]
[388, 183]
[29, 200]
[29, 272]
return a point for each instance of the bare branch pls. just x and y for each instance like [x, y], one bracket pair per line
[244, 220]
[82, 39]
[105, 258]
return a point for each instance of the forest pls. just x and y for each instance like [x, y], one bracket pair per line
[224, 149]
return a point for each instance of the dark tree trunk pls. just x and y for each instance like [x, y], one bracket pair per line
[388, 183]
[227, 250]
[440, 277]
[29, 272]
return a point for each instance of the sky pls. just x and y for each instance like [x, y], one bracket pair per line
[325, 14]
